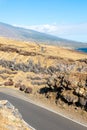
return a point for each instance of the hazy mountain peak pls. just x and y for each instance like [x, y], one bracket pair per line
[10, 31]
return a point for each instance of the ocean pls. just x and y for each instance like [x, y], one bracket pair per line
[82, 50]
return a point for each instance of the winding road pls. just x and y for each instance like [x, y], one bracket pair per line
[38, 117]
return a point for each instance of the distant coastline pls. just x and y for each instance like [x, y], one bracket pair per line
[82, 50]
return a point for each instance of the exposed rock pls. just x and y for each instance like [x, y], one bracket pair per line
[22, 87]
[69, 87]
[7, 104]
[63, 66]
[67, 78]
[51, 82]
[10, 118]
[51, 69]
[28, 90]
[82, 101]
[69, 97]
[9, 82]
[28, 67]
[80, 91]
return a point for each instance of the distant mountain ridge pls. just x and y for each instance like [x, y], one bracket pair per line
[18, 33]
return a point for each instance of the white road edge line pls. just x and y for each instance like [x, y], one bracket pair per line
[21, 113]
[29, 126]
[28, 100]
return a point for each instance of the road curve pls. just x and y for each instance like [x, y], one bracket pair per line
[40, 118]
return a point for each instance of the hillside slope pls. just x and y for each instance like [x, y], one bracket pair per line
[46, 73]
[10, 31]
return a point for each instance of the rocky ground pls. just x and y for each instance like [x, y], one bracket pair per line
[56, 74]
[10, 118]
[70, 88]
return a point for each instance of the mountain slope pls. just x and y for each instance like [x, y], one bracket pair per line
[47, 74]
[10, 31]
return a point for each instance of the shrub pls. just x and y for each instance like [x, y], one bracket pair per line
[28, 90]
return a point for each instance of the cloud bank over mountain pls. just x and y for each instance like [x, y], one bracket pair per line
[21, 33]
[74, 31]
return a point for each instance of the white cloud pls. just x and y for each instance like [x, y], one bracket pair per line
[46, 28]
[63, 30]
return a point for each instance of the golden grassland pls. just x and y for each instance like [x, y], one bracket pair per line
[22, 52]
[47, 55]
[34, 47]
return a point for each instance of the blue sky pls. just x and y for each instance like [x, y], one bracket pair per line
[63, 18]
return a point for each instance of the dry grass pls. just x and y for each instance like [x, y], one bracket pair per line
[8, 121]
[47, 55]
[33, 47]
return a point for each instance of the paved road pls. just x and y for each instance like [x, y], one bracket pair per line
[40, 118]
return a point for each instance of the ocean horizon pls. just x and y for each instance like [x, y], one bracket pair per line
[82, 50]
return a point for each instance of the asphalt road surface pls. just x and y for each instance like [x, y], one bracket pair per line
[40, 118]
